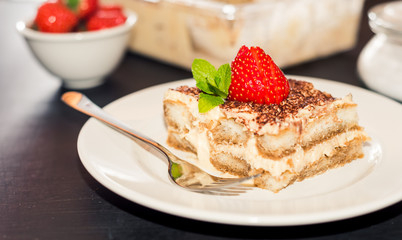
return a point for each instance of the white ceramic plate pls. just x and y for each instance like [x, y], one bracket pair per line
[361, 187]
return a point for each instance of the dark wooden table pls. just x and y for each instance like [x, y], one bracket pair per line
[46, 193]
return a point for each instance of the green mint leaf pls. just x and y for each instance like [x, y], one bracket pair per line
[207, 102]
[204, 74]
[224, 77]
[218, 92]
[213, 83]
[205, 87]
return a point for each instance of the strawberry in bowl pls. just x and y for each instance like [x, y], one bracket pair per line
[81, 57]
[106, 17]
[81, 8]
[54, 17]
[64, 16]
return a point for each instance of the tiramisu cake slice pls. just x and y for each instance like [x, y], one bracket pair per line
[303, 133]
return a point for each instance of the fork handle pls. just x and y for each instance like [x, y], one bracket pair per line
[83, 104]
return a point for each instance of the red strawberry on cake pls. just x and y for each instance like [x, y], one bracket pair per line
[256, 78]
[248, 118]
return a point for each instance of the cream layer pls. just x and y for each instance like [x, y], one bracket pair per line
[294, 162]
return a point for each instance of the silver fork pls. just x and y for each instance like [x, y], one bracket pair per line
[180, 171]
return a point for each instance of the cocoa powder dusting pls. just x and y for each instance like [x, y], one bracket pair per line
[302, 94]
[191, 91]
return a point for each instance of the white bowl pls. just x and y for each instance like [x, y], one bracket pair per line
[83, 59]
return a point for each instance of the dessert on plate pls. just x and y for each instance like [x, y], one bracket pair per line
[248, 118]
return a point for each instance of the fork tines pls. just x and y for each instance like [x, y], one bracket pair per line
[224, 187]
[230, 191]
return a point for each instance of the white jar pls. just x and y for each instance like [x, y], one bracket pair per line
[380, 62]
